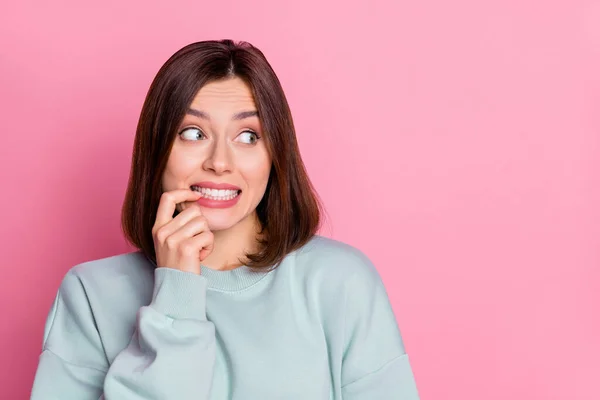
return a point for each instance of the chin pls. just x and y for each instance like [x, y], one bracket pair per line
[220, 219]
[215, 227]
[220, 222]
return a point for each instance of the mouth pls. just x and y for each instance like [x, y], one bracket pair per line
[216, 194]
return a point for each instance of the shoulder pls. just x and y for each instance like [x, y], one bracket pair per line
[335, 262]
[109, 278]
[343, 284]
[97, 300]
[116, 265]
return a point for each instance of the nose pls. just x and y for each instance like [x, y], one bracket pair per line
[219, 159]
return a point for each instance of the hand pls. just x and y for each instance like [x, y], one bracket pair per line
[184, 241]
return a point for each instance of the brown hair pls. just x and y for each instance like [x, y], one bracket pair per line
[290, 211]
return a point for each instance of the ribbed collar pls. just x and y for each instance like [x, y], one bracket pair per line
[232, 280]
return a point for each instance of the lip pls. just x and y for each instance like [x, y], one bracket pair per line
[214, 185]
[206, 202]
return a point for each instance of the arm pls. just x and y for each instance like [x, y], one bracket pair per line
[375, 364]
[171, 354]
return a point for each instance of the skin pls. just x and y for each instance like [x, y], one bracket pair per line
[220, 149]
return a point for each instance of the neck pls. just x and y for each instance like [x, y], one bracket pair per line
[231, 244]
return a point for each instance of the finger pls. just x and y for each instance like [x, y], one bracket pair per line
[191, 249]
[180, 220]
[204, 242]
[194, 227]
[168, 201]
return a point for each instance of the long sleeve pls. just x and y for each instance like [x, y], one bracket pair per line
[375, 364]
[171, 354]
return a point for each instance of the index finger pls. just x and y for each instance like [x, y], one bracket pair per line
[168, 202]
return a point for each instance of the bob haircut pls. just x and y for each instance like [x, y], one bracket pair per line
[290, 210]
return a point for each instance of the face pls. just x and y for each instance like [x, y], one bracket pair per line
[220, 150]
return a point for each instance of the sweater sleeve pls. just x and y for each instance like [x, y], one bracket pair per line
[375, 364]
[171, 354]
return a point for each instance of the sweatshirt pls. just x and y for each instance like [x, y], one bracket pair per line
[318, 327]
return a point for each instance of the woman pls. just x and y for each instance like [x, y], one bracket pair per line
[232, 294]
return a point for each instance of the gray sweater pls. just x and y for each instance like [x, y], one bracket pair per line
[319, 327]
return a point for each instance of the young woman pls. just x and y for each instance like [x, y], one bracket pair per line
[231, 294]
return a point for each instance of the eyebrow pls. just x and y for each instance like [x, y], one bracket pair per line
[236, 117]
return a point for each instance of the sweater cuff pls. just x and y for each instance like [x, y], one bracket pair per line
[178, 294]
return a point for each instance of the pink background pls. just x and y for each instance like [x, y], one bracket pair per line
[455, 142]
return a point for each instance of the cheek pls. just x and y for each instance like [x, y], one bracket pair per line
[257, 171]
[179, 167]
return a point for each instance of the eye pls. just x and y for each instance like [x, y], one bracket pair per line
[191, 133]
[250, 137]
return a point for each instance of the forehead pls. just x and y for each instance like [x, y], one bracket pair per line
[233, 92]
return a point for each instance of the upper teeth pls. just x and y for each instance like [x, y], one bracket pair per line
[215, 192]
